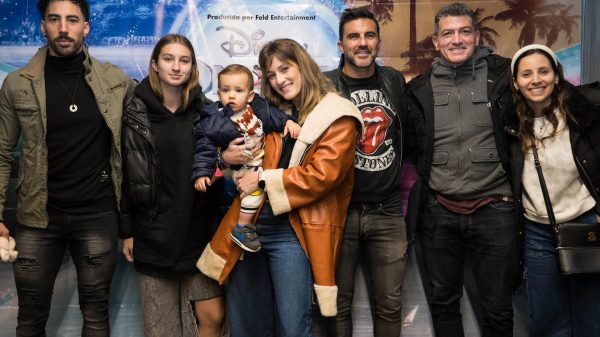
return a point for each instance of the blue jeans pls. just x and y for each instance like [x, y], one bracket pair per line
[376, 236]
[92, 242]
[486, 239]
[269, 293]
[561, 305]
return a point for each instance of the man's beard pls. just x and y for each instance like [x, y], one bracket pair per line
[355, 65]
[71, 50]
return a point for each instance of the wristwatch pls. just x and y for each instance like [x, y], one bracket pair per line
[261, 181]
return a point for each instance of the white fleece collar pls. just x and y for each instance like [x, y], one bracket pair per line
[331, 108]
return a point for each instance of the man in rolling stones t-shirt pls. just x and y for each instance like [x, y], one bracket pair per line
[375, 232]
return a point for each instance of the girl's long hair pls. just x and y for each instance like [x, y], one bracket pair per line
[526, 115]
[155, 82]
[315, 85]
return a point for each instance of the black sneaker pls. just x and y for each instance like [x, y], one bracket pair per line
[245, 237]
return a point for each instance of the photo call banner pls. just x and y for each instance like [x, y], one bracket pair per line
[123, 32]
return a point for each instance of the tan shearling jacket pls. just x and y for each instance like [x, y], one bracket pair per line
[315, 189]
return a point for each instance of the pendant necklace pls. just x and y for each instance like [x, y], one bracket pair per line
[543, 127]
[73, 107]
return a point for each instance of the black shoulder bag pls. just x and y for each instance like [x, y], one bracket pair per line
[577, 244]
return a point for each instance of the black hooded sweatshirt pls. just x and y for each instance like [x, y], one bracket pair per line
[169, 243]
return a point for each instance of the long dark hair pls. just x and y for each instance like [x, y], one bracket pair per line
[558, 101]
[191, 83]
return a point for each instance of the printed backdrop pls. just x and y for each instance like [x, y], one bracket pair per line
[233, 31]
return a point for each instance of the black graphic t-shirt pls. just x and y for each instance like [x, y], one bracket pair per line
[378, 158]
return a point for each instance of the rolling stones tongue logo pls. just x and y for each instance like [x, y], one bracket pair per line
[376, 124]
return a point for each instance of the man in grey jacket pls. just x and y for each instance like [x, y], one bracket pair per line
[66, 106]
[462, 199]
[375, 232]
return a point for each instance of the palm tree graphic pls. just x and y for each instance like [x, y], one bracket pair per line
[382, 9]
[538, 18]
[566, 22]
[486, 34]
[421, 53]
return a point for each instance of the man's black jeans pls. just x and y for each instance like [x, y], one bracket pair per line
[486, 239]
[92, 241]
[375, 235]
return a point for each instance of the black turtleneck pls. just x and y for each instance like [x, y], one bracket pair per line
[79, 143]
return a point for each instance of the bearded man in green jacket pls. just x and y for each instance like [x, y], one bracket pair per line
[66, 106]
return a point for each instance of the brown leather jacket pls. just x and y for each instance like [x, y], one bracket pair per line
[315, 189]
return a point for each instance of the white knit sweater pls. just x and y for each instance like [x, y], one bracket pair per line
[570, 197]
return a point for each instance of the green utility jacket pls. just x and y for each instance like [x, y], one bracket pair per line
[23, 113]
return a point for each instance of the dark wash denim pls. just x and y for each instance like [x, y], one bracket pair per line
[561, 305]
[92, 242]
[375, 235]
[269, 293]
[487, 240]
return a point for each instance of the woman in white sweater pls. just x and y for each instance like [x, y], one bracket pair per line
[559, 122]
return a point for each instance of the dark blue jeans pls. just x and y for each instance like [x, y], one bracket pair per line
[375, 235]
[487, 240]
[92, 241]
[269, 293]
[561, 305]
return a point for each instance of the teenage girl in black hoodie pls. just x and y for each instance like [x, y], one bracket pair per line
[165, 223]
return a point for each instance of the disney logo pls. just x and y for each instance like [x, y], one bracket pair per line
[240, 43]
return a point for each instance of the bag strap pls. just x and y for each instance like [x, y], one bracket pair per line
[538, 168]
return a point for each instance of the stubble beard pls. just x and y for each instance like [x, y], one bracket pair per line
[355, 65]
[73, 49]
